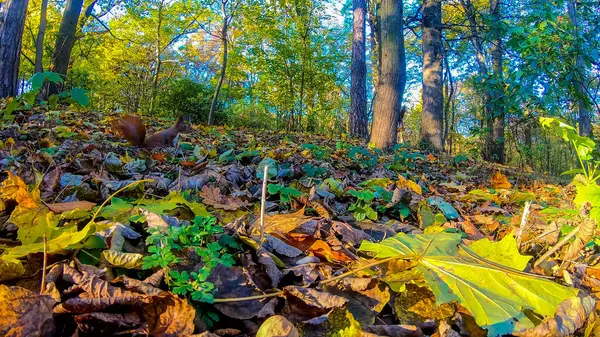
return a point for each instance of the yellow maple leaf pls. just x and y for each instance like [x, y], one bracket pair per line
[499, 181]
[14, 188]
[409, 184]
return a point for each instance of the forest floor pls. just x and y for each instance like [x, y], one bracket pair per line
[355, 242]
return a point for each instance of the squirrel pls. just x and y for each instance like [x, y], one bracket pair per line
[132, 129]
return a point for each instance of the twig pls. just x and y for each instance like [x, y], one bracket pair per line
[43, 286]
[523, 223]
[263, 203]
[557, 246]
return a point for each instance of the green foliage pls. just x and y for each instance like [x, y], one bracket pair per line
[363, 157]
[186, 97]
[285, 193]
[314, 171]
[318, 152]
[200, 234]
[361, 208]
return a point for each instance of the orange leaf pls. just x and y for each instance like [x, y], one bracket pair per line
[499, 181]
[14, 188]
[322, 249]
[159, 156]
[69, 206]
[431, 158]
[187, 163]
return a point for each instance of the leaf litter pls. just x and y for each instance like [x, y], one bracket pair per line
[357, 242]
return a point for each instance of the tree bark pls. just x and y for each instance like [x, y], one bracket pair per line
[433, 96]
[39, 41]
[65, 41]
[390, 89]
[358, 73]
[585, 123]
[496, 145]
[215, 100]
[11, 35]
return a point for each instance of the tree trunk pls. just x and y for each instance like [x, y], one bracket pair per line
[11, 35]
[39, 41]
[390, 89]
[213, 105]
[433, 97]
[358, 73]
[585, 123]
[65, 41]
[496, 145]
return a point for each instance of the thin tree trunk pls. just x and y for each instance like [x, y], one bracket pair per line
[65, 41]
[358, 73]
[11, 35]
[157, 59]
[433, 95]
[390, 89]
[39, 41]
[213, 105]
[585, 123]
[496, 147]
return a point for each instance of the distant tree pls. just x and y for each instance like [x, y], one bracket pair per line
[358, 72]
[11, 35]
[65, 41]
[495, 144]
[433, 102]
[585, 123]
[39, 41]
[390, 87]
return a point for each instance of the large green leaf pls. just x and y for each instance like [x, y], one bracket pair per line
[496, 296]
[504, 252]
[68, 239]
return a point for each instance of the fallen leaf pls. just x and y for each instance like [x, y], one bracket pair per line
[394, 330]
[277, 326]
[307, 303]
[233, 282]
[24, 313]
[169, 316]
[570, 316]
[103, 323]
[499, 181]
[10, 269]
[71, 206]
[123, 260]
[212, 196]
[14, 188]
[322, 249]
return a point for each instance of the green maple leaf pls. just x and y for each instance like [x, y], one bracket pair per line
[504, 252]
[496, 296]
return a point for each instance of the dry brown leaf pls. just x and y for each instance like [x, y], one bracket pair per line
[394, 330]
[70, 206]
[103, 324]
[570, 316]
[284, 223]
[212, 196]
[499, 181]
[24, 313]
[235, 282]
[306, 303]
[169, 316]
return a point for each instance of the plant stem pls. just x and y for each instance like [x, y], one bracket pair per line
[43, 286]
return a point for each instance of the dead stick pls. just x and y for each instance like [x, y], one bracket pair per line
[43, 286]
[557, 247]
[263, 204]
[523, 223]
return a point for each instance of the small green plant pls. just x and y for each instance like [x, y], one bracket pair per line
[363, 157]
[199, 235]
[285, 193]
[361, 208]
[319, 152]
[314, 171]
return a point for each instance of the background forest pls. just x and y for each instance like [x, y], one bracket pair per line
[491, 68]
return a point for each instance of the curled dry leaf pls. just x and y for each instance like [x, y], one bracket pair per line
[394, 330]
[169, 316]
[307, 303]
[570, 316]
[123, 260]
[235, 282]
[270, 267]
[24, 313]
[102, 323]
[212, 196]
[277, 326]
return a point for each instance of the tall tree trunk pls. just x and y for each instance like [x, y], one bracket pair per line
[433, 96]
[215, 100]
[496, 145]
[358, 73]
[39, 41]
[390, 89]
[65, 41]
[585, 123]
[11, 35]
[157, 58]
